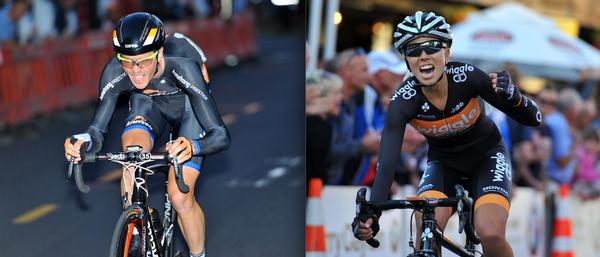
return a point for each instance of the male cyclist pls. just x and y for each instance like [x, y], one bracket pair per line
[166, 92]
[442, 100]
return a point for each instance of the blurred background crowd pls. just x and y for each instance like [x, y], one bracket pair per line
[33, 21]
[348, 90]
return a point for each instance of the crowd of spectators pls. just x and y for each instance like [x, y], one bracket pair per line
[563, 150]
[34, 21]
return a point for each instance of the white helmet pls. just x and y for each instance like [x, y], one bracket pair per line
[419, 25]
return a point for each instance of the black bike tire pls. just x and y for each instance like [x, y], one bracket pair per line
[132, 214]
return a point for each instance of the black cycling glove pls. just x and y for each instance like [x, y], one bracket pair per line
[363, 217]
[507, 89]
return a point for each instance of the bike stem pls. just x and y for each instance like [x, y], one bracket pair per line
[427, 232]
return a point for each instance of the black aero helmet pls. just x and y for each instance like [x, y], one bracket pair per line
[138, 33]
[422, 24]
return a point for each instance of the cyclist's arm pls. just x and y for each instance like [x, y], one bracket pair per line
[178, 45]
[526, 113]
[113, 82]
[390, 149]
[216, 137]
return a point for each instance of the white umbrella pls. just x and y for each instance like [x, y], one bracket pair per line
[512, 33]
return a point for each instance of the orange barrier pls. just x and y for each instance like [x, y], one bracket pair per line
[562, 236]
[315, 222]
[41, 79]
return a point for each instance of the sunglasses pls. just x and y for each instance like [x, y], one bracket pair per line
[141, 63]
[430, 47]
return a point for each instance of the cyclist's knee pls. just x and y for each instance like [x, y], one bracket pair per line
[490, 223]
[183, 203]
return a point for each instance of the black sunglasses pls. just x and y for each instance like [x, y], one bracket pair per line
[430, 47]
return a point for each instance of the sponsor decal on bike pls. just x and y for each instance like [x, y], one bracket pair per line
[116, 157]
[427, 234]
[153, 251]
[460, 72]
[461, 121]
[407, 91]
[145, 156]
[502, 168]
[111, 84]
[189, 85]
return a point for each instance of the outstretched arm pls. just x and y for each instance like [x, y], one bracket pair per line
[499, 91]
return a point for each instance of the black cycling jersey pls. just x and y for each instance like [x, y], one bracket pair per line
[460, 129]
[182, 77]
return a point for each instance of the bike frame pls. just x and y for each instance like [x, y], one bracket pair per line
[153, 244]
[430, 232]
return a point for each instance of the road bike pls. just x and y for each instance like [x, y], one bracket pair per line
[139, 231]
[431, 234]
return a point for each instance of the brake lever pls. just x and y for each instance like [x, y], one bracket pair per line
[361, 211]
[70, 169]
[461, 196]
[179, 176]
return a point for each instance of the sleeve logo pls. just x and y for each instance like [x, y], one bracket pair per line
[407, 91]
[459, 72]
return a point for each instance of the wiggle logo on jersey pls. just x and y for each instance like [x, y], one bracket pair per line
[459, 72]
[407, 91]
[461, 121]
[502, 168]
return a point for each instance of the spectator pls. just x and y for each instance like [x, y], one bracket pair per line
[530, 156]
[587, 114]
[562, 111]
[66, 22]
[386, 71]
[351, 65]
[325, 105]
[9, 15]
[587, 178]
[43, 17]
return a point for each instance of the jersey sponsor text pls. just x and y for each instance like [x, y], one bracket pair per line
[461, 121]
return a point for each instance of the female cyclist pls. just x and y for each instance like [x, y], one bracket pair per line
[444, 101]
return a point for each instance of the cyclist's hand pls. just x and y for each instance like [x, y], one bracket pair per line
[180, 147]
[73, 150]
[365, 230]
[504, 87]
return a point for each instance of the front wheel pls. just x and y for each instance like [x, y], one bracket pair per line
[128, 238]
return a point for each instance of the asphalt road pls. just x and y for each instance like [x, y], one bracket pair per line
[252, 194]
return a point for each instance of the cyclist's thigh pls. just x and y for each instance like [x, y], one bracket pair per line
[190, 128]
[144, 116]
[438, 180]
[493, 178]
